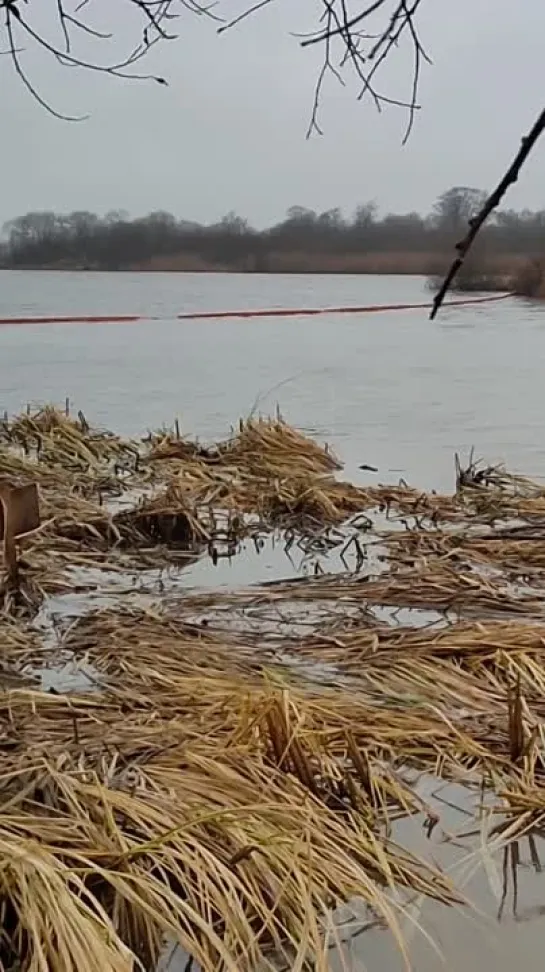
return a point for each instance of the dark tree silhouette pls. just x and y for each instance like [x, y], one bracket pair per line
[456, 207]
[303, 240]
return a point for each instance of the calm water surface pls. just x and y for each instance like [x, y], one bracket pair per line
[393, 390]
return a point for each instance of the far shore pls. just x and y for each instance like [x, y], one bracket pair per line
[391, 263]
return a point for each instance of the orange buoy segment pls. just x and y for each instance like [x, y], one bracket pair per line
[241, 314]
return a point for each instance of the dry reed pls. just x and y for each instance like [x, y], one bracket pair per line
[215, 791]
[226, 818]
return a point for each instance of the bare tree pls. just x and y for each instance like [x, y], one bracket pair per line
[315, 241]
[456, 207]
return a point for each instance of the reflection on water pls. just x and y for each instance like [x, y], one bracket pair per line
[394, 391]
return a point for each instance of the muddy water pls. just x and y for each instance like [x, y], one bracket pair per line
[391, 390]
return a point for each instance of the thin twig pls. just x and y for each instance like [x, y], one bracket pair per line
[156, 14]
[245, 13]
[326, 67]
[366, 60]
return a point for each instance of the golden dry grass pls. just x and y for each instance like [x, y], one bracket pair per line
[140, 502]
[223, 815]
[210, 789]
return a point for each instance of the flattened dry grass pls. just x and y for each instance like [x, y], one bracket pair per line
[434, 584]
[138, 502]
[222, 819]
[20, 651]
[214, 792]
[142, 501]
[438, 700]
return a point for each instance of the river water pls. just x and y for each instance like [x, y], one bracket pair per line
[392, 390]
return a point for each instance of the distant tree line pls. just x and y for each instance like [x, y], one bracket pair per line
[84, 240]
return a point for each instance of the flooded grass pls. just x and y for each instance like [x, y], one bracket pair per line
[256, 712]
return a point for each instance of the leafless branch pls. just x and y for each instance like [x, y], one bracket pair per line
[327, 66]
[156, 15]
[354, 48]
[205, 10]
[365, 51]
[342, 28]
[245, 13]
[494, 199]
[14, 54]
[419, 55]
[118, 69]
[62, 18]
[81, 25]
[348, 24]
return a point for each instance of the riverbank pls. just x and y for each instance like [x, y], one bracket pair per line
[395, 263]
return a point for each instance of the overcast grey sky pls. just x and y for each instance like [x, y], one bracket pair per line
[229, 131]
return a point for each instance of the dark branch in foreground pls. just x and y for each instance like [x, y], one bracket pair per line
[494, 199]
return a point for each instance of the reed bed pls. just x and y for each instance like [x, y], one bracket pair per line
[110, 494]
[235, 774]
[62, 449]
[267, 471]
[227, 820]
[255, 440]
[170, 493]
[412, 694]
[518, 552]
[21, 652]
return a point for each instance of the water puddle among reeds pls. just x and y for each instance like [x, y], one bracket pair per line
[440, 939]
[478, 937]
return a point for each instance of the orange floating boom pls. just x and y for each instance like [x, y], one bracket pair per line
[241, 314]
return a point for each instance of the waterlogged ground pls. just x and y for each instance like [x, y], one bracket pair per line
[437, 938]
[394, 391]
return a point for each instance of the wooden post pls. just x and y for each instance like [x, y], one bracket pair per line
[19, 514]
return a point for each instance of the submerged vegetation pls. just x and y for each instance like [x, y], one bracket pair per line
[230, 765]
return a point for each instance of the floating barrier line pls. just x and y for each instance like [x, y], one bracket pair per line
[313, 311]
[111, 318]
[233, 315]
